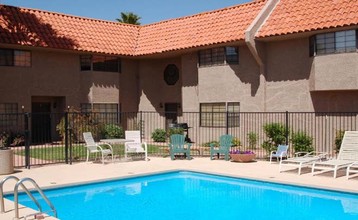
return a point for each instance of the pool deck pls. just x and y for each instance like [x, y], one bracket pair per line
[63, 174]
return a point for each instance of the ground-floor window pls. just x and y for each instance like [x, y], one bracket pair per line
[220, 114]
[8, 114]
[107, 112]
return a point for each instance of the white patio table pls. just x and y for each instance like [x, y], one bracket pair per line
[116, 141]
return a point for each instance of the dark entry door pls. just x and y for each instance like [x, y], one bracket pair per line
[41, 122]
[171, 113]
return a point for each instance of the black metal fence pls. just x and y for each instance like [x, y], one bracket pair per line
[47, 138]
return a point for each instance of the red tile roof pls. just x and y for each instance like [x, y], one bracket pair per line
[47, 29]
[220, 26]
[294, 16]
[54, 30]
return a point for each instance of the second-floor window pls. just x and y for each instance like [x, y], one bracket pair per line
[100, 63]
[334, 42]
[219, 56]
[11, 57]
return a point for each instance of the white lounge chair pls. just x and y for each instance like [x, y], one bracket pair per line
[93, 147]
[302, 161]
[348, 154]
[280, 153]
[135, 145]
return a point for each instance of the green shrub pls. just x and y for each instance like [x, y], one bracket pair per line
[112, 131]
[207, 144]
[159, 135]
[338, 140]
[276, 133]
[235, 142]
[302, 142]
[175, 131]
[252, 138]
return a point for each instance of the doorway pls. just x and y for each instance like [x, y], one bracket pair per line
[171, 113]
[41, 122]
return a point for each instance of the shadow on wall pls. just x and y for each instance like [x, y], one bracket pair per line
[335, 101]
[288, 61]
[18, 26]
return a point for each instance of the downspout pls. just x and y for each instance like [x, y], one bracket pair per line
[250, 38]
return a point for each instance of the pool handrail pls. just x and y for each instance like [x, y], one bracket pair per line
[39, 190]
[2, 205]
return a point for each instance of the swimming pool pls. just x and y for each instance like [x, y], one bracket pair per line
[191, 195]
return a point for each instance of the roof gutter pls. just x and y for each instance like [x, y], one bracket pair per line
[255, 27]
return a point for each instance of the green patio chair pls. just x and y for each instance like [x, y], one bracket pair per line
[223, 148]
[178, 145]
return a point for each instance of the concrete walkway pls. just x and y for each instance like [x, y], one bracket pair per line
[59, 175]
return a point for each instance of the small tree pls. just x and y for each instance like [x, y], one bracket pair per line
[252, 138]
[276, 133]
[301, 142]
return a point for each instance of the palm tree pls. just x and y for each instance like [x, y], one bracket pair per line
[129, 18]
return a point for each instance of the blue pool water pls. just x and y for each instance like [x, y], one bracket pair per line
[188, 195]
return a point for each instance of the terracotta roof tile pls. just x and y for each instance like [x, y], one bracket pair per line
[224, 25]
[47, 29]
[291, 16]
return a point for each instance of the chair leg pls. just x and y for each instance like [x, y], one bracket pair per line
[87, 156]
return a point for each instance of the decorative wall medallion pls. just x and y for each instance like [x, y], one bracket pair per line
[171, 74]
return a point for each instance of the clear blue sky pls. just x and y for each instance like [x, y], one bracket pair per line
[150, 10]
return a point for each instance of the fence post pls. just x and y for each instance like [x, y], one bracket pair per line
[27, 140]
[66, 137]
[287, 125]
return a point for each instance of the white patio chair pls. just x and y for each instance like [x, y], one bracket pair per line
[279, 153]
[301, 161]
[93, 147]
[135, 145]
[348, 155]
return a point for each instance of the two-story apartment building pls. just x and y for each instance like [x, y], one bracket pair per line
[265, 55]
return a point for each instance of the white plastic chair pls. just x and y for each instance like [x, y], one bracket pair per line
[93, 147]
[135, 145]
[279, 153]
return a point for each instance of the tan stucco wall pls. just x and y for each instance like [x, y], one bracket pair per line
[153, 88]
[233, 83]
[288, 68]
[57, 73]
[335, 72]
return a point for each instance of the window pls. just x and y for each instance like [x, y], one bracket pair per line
[8, 114]
[334, 42]
[100, 63]
[10, 57]
[232, 55]
[220, 114]
[107, 112]
[219, 56]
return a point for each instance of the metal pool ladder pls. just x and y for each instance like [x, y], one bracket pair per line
[16, 197]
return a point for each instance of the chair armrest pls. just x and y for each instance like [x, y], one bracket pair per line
[103, 143]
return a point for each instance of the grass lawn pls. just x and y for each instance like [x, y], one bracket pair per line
[57, 153]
